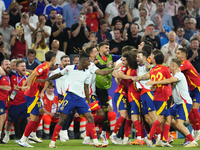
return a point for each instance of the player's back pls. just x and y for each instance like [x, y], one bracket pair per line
[37, 87]
[192, 76]
[157, 73]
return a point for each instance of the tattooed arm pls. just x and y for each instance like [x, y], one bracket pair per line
[144, 77]
[104, 72]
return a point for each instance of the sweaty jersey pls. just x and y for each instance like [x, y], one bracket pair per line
[76, 79]
[180, 90]
[16, 80]
[37, 87]
[192, 76]
[157, 73]
[4, 81]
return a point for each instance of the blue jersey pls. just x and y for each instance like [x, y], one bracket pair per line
[163, 38]
[49, 7]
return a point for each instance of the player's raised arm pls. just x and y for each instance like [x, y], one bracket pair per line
[55, 76]
[165, 81]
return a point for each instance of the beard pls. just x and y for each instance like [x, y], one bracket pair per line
[7, 71]
[53, 18]
[14, 9]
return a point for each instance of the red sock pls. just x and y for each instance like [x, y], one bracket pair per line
[197, 118]
[190, 138]
[142, 130]
[138, 128]
[192, 121]
[166, 128]
[127, 128]
[98, 119]
[87, 130]
[56, 132]
[29, 128]
[118, 124]
[155, 126]
[38, 123]
[91, 129]
[161, 135]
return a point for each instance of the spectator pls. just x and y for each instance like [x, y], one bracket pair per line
[191, 12]
[169, 49]
[194, 53]
[53, 5]
[92, 40]
[171, 7]
[14, 13]
[40, 5]
[42, 27]
[51, 105]
[161, 30]
[103, 34]
[180, 39]
[19, 47]
[125, 18]
[2, 9]
[59, 33]
[149, 6]
[80, 32]
[27, 27]
[118, 25]
[71, 12]
[188, 29]
[112, 11]
[143, 22]
[13, 66]
[62, 3]
[135, 13]
[50, 22]
[92, 18]
[117, 44]
[31, 61]
[150, 36]
[178, 20]
[6, 30]
[75, 60]
[133, 39]
[32, 17]
[25, 5]
[59, 54]
[4, 48]
[40, 46]
[166, 18]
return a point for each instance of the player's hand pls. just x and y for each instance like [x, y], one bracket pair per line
[135, 78]
[115, 74]
[6, 88]
[149, 83]
[114, 50]
[141, 46]
[51, 114]
[109, 64]
[96, 62]
[41, 95]
[120, 74]
[127, 26]
[16, 88]
[25, 87]
[153, 88]
[40, 80]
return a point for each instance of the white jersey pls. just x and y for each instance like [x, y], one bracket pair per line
[61, 83]
[118, 62]
[92, 69]
[76, 79]
[141, 70]
[180, 90]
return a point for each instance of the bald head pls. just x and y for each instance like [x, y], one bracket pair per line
[59, 19]
[55, 45]
[172, 36]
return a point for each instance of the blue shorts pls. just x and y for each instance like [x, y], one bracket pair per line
[94, 98]
[147, 104]
[34, 105]
[2, 108]
[161, 107]
[120, 101]
[134, 108]
[180, 111]
[195, 95]
[167, 112]
[16, 111]
[72, 101]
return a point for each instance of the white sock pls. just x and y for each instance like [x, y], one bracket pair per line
[139, 137]
[114, 134]
[95, 141]
[0, 133]
[7, 133]
[87, 138]
[33, 134]
[53, 142]
[125, 138]
[103, 132]
[23, 139]
[159, 136]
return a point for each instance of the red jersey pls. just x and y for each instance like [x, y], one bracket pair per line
[51, 105]
[25, 6]
[4, 95]
[162, 92]
[133, 93]
[17, 80]
[37, 87]
[93, 21]
[121, 88]
[192, 76]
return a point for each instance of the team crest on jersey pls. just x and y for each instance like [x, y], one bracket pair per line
[124, 68]
[40, 70]
[1, 110]
[62, 108]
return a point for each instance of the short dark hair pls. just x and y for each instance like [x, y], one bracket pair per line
[152, 25]
[52, 10]
[103, 43]
[81, 13]
[144, 53]
[31, 51]
[131, 59]
[159, 58]
[121, 5]
[92, 32]
[183, 50]
[118, 21]
[180, 27]
[103, 21]
[175, 60]
[127, 48]
[65, 56]
[84, 56]
[156, 51]
[49, 55]
[1, 34]
[19, 62]
[75, 57]
[115, 29]
[89, 50]
[43, 16]
[181, 8]
[147, 48]
[143, 9]
[51, 84]
[136, 25]
[194, 39]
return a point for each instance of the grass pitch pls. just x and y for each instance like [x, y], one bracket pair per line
[77, 145]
